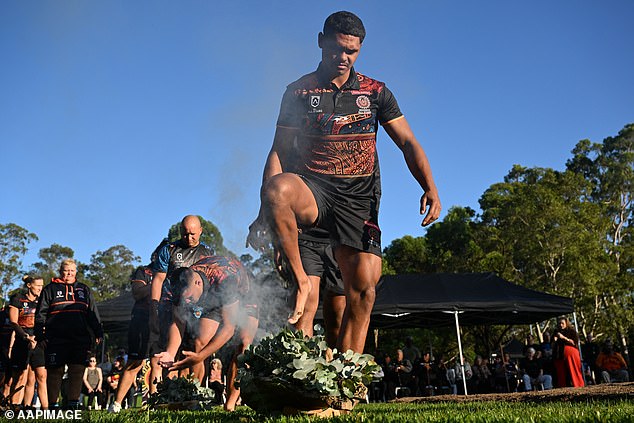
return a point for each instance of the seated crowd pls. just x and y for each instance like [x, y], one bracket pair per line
[411, 373]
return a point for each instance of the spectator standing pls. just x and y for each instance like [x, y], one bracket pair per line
[566, 357]
[93, 383]
[27, 358]
[113, 378]
[66, 325]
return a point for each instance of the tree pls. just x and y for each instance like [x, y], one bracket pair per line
[609, 166]
[407, 255]
[451, 244]
[211, 236]
[14, 240]
[109, 271]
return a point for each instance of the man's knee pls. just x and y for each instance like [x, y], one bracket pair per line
[277, 190]
[362, 299]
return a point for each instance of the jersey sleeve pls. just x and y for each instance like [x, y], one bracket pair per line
[388, 106]
[162, 260]
[289, 116]
[14, 301]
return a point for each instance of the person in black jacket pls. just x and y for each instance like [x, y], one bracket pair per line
[66, 323]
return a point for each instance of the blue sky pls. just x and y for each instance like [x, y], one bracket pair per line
[118, 118]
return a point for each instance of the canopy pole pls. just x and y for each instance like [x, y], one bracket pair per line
[574, 316]
[464, 379]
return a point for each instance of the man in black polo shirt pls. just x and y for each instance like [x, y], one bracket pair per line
[333, 115]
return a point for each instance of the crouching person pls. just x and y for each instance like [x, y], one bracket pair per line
[215, 295]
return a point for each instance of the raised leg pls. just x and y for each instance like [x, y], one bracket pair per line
[287, 201]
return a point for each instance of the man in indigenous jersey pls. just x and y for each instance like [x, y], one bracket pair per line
[27, 359]
[182, 253]
[332, 115]
[66, 325]
[217, 294]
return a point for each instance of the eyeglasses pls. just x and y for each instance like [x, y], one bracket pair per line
[93, 360]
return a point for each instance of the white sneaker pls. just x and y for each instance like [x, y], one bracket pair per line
[115, 407]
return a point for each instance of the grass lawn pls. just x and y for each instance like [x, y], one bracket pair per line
[494, 411]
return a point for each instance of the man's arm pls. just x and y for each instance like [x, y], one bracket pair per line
[174, 339]
[157, 285]
[416, 159]
[14, 314]
[140, 290]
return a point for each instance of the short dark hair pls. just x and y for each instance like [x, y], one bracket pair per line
[344, 23]
[178, 282]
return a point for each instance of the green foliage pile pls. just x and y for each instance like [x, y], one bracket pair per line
[180, 390]
[290, 362]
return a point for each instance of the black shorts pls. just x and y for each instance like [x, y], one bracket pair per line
[244, 310]
[22, 355]
[318, 260]
[158, 341]
[351, 220]
[139, 337]
[60, 354]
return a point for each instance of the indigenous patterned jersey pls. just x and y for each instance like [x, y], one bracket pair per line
[175, 255]
[26, 309]
[142, 274]
[65, 314]
[226, 281]
[337, 127]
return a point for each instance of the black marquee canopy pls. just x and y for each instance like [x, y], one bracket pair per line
[417, 300]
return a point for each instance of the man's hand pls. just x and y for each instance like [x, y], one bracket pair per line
[259, 237]
[190, 359]
[165, 359]
[32, 341]
[432, 200]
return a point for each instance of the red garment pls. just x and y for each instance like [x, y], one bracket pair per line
[569, 368]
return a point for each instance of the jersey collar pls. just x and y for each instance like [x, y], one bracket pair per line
[351, 84]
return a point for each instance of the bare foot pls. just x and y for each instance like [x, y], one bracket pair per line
[303, 290]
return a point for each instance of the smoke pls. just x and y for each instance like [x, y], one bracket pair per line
[272, 296]
[274, 299]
